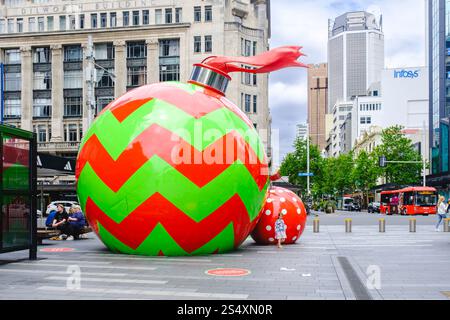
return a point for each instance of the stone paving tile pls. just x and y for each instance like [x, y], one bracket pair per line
[411, 268]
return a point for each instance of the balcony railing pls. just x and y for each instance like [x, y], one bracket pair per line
[58, 146]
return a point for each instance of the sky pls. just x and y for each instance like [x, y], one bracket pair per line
[305, 23]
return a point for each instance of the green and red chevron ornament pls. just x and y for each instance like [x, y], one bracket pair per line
[177, 169]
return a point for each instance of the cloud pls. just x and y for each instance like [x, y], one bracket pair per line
[305, 22]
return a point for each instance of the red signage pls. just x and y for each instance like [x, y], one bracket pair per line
[228, 272]
[57, 250]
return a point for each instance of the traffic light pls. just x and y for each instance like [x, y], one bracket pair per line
[383, 162]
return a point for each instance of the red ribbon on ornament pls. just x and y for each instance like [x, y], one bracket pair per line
[275, 59]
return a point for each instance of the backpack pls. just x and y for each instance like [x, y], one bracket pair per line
[50, 218]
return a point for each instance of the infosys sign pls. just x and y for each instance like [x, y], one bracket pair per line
[406, 74]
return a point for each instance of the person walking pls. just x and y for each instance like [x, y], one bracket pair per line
[441, 211]
[280, 230]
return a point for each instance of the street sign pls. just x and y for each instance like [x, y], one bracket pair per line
[306, 174]
[382, 162]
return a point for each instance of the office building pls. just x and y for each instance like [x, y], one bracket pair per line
[317, 103]
[355, 55]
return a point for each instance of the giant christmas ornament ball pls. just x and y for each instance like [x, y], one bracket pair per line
[177, 169]
[283, 201]
[172, 169]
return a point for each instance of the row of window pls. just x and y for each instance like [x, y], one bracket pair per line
[102, 20]
[370, 107]
[198, 44]
[248, 48]
[73, 132]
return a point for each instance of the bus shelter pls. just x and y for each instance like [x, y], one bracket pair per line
[18, 180]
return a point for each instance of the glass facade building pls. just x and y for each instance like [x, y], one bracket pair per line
[439, 67]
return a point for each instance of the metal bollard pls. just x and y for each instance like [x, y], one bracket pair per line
[412, 225]
[446, 225]
[382, 225]
[316, 225]
[348, 225]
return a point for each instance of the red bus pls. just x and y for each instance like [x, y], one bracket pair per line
[386, 197]
[418, 201]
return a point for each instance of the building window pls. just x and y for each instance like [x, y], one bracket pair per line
[73, 79]
[10, 25]
[12, 56]
[94, 20]
[137, 76]
[248, 48]
[255, 45]
[2, 26]
[104, 78]
[13, 81]
[103, 102]
[247, 103]
[146, 17]
[136, 50]
[72, 22]
[197, 44]
[42, 108]
[42, 80]
[71, 133]
[169, 60]
[104, 51]
[365, 120]
[12, 108]
[103, 20]
[168, 15]
[32, 24]
[81, 18]
[62, 23]
[50, 25]
[19, 24]
[113, 20]
[72, 106]
[178, 15]
[197, 14]
[208, 43]
[41, 133]
[208, 13]
[255, 104]
[158, 16]
[126, 18]
[135, 18]
[73, 53]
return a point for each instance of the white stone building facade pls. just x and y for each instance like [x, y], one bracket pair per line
[43, 45]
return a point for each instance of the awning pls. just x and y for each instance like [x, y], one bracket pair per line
[49, 165]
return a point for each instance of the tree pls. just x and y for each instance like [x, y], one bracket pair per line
[397, 147]
[365, 173]
[296, 162]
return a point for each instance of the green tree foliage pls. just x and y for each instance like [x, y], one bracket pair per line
[397, 147]
[351, 173]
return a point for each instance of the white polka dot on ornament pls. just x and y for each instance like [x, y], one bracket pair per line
[269, 200]
[282, 199]
[284, 211]
[294, 238]
[268, 228]
[268, 213]
[294, 199]
[271, 239]
[299, 227]
[299, 211]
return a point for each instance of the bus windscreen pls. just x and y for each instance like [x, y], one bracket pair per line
[426, 198]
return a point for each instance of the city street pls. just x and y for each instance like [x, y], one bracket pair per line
[331, 264]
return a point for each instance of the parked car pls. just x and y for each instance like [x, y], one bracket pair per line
[66, 204]
[354, 207]
[374, 207]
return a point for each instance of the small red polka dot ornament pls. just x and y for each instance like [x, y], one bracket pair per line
[280, 200]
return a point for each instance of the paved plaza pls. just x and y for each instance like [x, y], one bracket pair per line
[332, 264]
